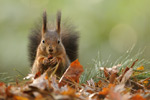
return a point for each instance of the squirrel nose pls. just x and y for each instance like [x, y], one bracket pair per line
[50, 49]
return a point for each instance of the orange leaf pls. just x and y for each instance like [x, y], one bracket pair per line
[137, 97]
[38, 74]
[72, 74]
[20, 98]
[146, 82]
[39, 97]
[99, 83]
[2, 84]
[140, 68]
[105, 91]
[69, 91]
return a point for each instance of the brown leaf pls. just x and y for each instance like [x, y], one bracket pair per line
[126, 69]
[8, 91]
[112, 77]
[111, 73]
[106, 72]
[122, 75]
[38, 74]
[126, 76]
[134, 63]
[72, 74]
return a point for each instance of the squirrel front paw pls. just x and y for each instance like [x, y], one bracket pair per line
[50, 62]
[53, 61]
[46, 61]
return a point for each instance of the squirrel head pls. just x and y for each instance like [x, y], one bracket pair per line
[51, 40]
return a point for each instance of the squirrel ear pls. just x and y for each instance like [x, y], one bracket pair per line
[44, 27]
[58, 22]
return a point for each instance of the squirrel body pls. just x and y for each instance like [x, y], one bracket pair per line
[47, 46]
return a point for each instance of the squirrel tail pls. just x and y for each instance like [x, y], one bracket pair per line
[33, 43]
[69, 36]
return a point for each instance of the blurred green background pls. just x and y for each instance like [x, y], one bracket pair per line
[109, 27]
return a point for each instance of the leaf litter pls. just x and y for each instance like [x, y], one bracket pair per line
[114, 85]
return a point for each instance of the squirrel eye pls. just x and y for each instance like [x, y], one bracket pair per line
[43, 41]
[58, 41]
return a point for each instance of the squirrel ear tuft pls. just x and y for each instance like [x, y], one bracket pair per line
[58, 22]
[44, 27]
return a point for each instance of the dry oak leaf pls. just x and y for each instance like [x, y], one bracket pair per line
[72, 74]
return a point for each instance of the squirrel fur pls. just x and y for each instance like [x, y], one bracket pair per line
[49, 46]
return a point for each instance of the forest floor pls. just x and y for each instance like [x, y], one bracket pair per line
[118, 82]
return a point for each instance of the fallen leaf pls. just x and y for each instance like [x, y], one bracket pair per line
[8, 91]
[41, 82]
[137, 97]
[20, 98]
[106, 72]
[140, 68]
[99, 84]
[134, 63]
[122, 75]
[70, 92]
[109, 70]
[72, 74]
[126, 76]
[113, 76]
[39, 97]
[126, 69]
[2, 88]
[91, 83]
[114, 95]
[105, 91]
[38, 74]
[146, 82]
[54, 83]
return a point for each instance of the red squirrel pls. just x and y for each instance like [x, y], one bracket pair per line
[49, 46]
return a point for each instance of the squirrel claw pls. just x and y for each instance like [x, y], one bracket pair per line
[50, 62]
[53, 61]
[46, 61]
